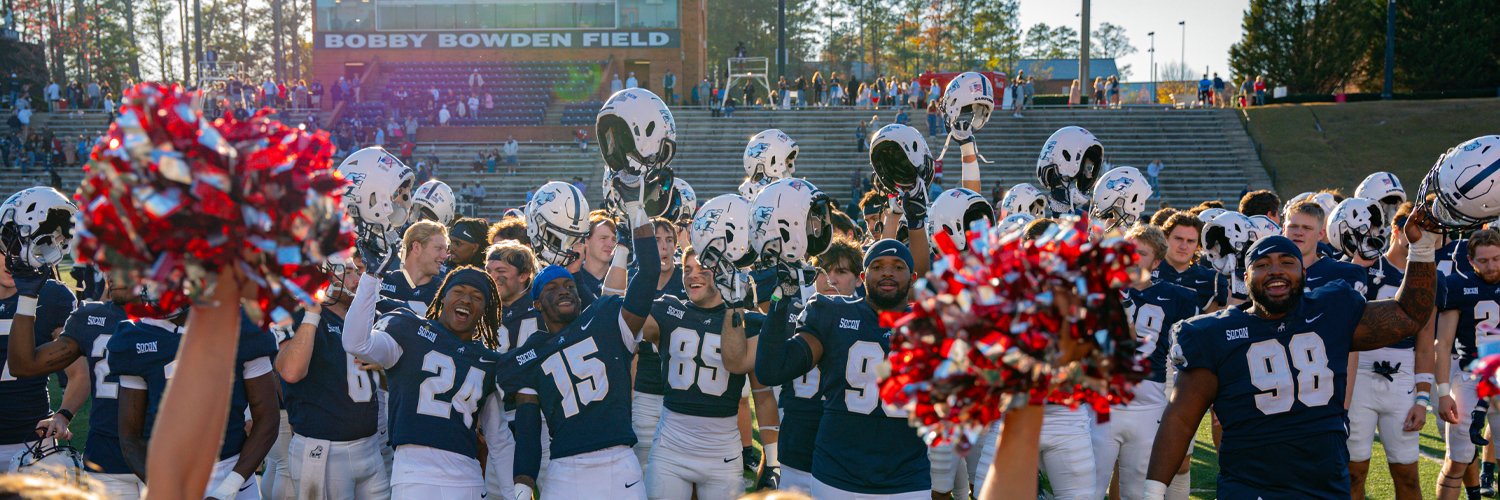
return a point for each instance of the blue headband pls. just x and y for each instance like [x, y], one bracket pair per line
[548, 273]
[888, 248]
[469, 276]
[1272, 244]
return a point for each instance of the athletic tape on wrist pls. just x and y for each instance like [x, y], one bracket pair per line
[1155, 490]
[1424, 250]
[312, 319]
[772, 457]
[1426, 377]
[229, 487]
[26, 306]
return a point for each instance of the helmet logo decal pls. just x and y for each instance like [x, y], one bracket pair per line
[707, 220]
[544, 197]
[755, 150]
[1118, 183]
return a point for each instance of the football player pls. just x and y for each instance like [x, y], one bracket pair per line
[1275, 372]
[512, 266]
[85, 335]
[466, 240]
[707, 346]
[1468, 319]
[598, 252]
[650, 386]
[1184, 235]
[334, 451]
[1153, 307]
[583, 389]
[442, 377]
[424, 249]
[1306, 226]
[144, 354]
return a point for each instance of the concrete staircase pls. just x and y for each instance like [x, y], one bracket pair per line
[1206, 152]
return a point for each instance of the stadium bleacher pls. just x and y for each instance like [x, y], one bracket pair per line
[521, 91]
[581, 113]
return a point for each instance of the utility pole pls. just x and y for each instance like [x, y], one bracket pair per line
[1152, 50]
[780, 38]
[197, 43]
[1390, 50]
[1083, 46]
[1182, 58]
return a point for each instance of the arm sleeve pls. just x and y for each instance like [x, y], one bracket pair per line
[56, 304]
[528, 440]
[779, 358]
[642, 288]
[373, 346]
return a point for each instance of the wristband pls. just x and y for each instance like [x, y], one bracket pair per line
[521, 492]
[1155, 490]
[312, 320]
[620, 258]
[1423, 399]
[1444, 389]
[228, 488]
[26, 306]
[65, 414]
[970, 160]
[769, 452]
[1426, 377]
[1424, 250]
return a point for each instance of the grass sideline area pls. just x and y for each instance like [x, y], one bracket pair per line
[1307, 147]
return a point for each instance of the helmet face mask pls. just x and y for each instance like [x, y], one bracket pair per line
[790, 222]
[900, 157]
[37, 224]
[1024, 198]
[434, 201]
[1459, 193]
[1357, 226]
[1068, 166]
[557, 219]
[1226, 238]
[954, 212]
[1119, 197]
[379, 195]
[968, 101]
[636, 132]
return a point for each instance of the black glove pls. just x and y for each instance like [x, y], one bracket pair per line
[770, 478]
[751, 457]
[1476, 426]
[375, 253]
[914, 204]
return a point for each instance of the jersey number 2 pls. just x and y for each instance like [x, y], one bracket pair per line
[1272, 374]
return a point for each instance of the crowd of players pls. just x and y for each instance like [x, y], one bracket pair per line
[614, 353]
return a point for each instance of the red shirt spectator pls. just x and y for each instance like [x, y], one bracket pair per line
[406, 149]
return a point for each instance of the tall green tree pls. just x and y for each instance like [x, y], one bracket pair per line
[996, 30]
[1110, 41]
[1308, 46]
[1440, 45]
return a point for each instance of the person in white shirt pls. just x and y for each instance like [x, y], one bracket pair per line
[53, 93]
[631, 82]
[1153, 170]
[444, 115]
[616, 85]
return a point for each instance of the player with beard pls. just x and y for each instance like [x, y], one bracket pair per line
[861, 447]
[1154, 307]
[1184, 236]
[466, 241]
[1467, 321]
[424, 249]
[1275, 370]
[335, 448]
[1306, 227]
[85, 339]
[1383, 392]
[143, 353]
[443, 377]
[584, 388]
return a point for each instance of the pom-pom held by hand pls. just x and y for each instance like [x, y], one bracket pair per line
[1012, 323]
[169, 198]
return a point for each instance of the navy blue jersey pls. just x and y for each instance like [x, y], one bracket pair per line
[765, 283]
[1279, 380]
[147, 350]
[1454, 257]
[1327, 251]
[437, 385]
[587, 283]
[1327, 270]
[517, 322]
[648, 374]
[91, 327]
[398, 286]
[335, 400]
[1155, 310]
[861, 446]
[1199, 279]
[1381, 282]
[584, 385]
[698, 384]
[24, 401]
[1478, 306]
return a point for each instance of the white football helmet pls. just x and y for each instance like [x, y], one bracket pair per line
[557, 217]
[1385, 189]
[1070, 160]
[968, 101]
[380, 189]
[1264, 226]
[750, 188]
[1286, 207]
[1119, 197]
[1024, 198]
[901, 159]
[1464, 180]
[954, 212]
[770, 156]
[1012, 223]
[36, 224]
[790, 222]
[48, 458]
[636, 131]
[1358, 226]
[1208, 215]
[434, 201]
[684, 201]
[720, 233]
[1226, 239]
[1327, 201]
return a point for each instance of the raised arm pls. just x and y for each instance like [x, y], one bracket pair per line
[780, 356]
[1387, 321]
[25, 358]
[641, 291]
[370, 346]
[738, 352]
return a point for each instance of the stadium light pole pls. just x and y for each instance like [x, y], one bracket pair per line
[780, 38]
[1182, 58]
[1152, 50]
[1083, 46]
[1390, 50]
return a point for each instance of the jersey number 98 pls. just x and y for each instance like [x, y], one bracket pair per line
[1271, 372]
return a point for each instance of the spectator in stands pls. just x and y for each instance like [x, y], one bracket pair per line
[411, 127]
[493, 160]
[269, 87]
[463, 109]
[739, 50]
[862, 136]
[835, 93]
[1153, 170]
[918, 98]
[477, 166]
[1204, 86]
[1260, 90]
[477, 195]
[474, 106]
[1113, 88]
[631, 82]
[1017, 95]
[578, 183]
[1030, 91]
[865, 97]
[1099, 93]
[819, 89]
[444, 115]
[23, 117]
[406, 149]
[701, 92]
[379, 136]
[901, 117]
[95, 99]
[749, 95]
[476, 80]
[512, 149]
[1220, 96]
[1073, 93]
[52, 94]
[932, 118]
[489, 102]
[357, 84]
[582, 135]
[668, 86]
[616, 85]
[801, 86]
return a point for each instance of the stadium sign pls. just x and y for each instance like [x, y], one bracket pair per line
[562, 39]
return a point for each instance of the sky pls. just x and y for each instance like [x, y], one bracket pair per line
[1212, 26]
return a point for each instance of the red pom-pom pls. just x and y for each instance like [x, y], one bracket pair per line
[170, 199]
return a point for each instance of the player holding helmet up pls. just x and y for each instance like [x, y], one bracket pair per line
[769, 157]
